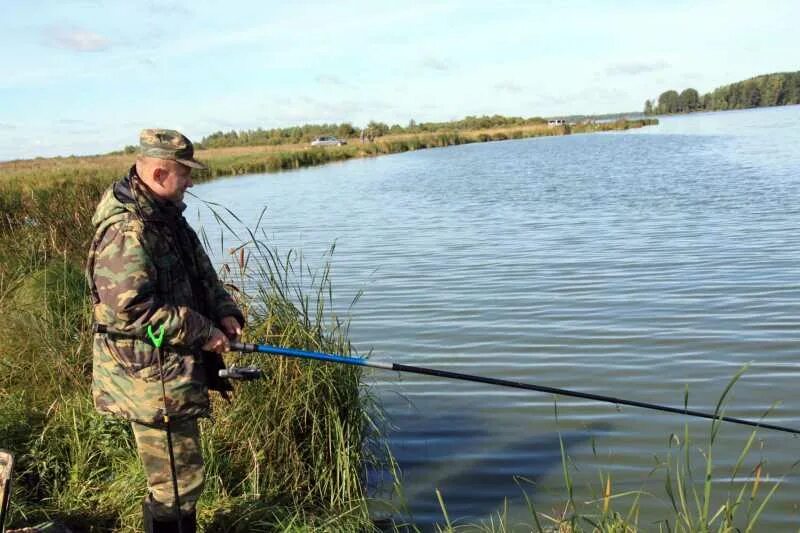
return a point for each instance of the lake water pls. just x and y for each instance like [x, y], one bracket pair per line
[633, 264]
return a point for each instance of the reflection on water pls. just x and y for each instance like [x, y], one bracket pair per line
[630, 264]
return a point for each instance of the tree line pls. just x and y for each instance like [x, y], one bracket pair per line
[307, 132]
[782, 88]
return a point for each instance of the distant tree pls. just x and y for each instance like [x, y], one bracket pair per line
[719, 98]
[648, 107]
[345, 130]
[773, 91]
[792, 89]
[412, 124]
[378, 128]
[689, 100]
[668, 102]
[781, 88]
[751, 95]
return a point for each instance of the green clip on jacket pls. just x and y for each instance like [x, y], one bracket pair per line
[147, 266]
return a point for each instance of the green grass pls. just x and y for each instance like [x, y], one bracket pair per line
[288, 452]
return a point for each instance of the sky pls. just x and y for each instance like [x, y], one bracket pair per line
[85, 76]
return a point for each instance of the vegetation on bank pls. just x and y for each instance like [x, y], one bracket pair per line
[373, 130]
[16, 176]
[304, 134]
[768, 90]
[288, 452]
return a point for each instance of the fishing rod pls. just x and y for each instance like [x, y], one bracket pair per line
[253, 373]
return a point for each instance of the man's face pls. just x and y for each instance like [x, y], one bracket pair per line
[174, 180]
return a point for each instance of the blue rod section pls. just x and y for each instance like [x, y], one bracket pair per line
[304, 354]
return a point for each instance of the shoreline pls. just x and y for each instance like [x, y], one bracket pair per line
[28, 174]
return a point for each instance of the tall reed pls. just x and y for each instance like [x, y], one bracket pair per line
[287, 452]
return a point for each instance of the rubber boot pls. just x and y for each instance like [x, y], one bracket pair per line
[189, 522]
[152, 525]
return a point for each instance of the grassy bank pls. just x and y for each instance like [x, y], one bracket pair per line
[288, 453]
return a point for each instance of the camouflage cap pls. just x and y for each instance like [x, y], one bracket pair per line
[168, 144]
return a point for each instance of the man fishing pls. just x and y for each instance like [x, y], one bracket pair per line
[147, 269]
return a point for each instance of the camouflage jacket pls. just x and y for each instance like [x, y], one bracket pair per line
[146, 266]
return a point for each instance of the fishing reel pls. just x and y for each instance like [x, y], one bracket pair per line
[242, 373]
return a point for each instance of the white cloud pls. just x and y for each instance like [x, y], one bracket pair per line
[290, 111]
[77, 39]
[167, 8]
[433, 63]
[634, 68]
[509, 87]
[329, 79]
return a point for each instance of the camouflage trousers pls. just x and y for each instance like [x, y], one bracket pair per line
[151, 443]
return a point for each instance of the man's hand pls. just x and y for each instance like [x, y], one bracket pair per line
[231, 327]
[217, 343]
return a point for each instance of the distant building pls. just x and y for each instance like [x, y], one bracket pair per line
[556, 122]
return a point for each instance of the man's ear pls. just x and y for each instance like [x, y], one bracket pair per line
[159, 175]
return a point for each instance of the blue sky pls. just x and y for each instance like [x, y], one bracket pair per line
[83, 77]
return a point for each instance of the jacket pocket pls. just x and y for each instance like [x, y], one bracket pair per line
[173, 365]
[133, 355]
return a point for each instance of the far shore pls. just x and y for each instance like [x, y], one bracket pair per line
[44, 172]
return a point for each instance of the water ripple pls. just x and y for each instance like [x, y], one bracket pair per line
[633, 264]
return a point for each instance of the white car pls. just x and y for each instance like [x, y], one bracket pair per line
[328, 140]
